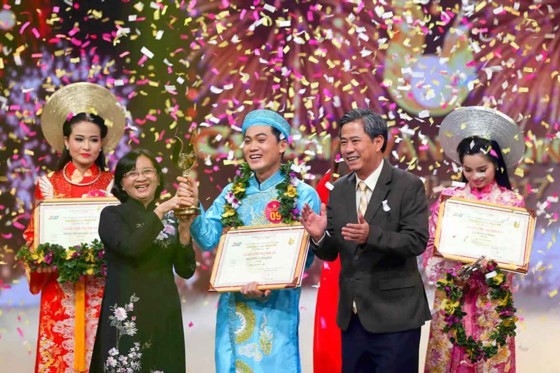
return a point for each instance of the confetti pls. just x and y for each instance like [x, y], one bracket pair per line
[207, 64]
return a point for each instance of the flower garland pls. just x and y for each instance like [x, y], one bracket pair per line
[452, 306]
[71, 264]
[287, 195]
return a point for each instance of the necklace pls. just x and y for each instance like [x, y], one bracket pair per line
[287, 196]
[78, 184]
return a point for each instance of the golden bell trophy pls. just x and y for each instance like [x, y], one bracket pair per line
[184, 158]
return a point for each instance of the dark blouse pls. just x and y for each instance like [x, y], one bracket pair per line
[141, 302]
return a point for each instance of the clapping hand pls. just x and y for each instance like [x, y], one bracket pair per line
[356, 232]
[314, 224]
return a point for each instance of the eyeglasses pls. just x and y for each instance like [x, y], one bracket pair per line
[135, 174]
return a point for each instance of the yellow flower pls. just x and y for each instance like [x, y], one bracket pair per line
[238, 188]
[37, 257]
[90, 257]
[449, 307]
[498, 279]
[508, 322]
[69, 253]
[90, 271]
[228, 211]
[501, 357]
[291, 191]
[503, 302]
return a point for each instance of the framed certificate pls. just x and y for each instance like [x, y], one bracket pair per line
[272, 255]
[69, 221]
[468, 229]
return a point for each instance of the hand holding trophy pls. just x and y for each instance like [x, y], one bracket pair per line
[184, 158]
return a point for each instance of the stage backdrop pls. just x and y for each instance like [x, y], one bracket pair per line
[195, 68]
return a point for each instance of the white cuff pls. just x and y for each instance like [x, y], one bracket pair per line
[318, 243]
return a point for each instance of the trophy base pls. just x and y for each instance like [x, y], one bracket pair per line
[187, 211]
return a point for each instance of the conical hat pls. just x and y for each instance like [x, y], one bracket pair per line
[486, 123]
[78, 98]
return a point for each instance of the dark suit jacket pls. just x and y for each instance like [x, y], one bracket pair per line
[381, 275]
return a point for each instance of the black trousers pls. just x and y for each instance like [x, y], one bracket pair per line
[365, 352]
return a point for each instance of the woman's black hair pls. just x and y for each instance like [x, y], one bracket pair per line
[67, 131]
[491, 150]
[128, 163]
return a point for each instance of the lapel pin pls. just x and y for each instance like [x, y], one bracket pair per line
[386, 207]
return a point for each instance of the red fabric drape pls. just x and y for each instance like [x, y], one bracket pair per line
[327, 349]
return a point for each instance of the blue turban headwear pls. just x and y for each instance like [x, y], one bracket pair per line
[263, 117]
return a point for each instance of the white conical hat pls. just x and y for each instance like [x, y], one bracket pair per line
[486, 123]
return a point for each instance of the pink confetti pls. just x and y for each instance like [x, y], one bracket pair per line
[18, 225]
[22, 29]
[142, 60]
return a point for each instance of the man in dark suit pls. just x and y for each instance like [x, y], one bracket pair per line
[377, 221]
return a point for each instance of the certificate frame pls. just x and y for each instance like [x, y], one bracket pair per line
[465, 222]
[231, 270]
[53, 215]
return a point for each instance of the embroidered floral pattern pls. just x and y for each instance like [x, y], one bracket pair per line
[46, 346]
[169, 230]
[123, 320]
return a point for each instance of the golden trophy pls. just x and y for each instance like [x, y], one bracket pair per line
[184, 158]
